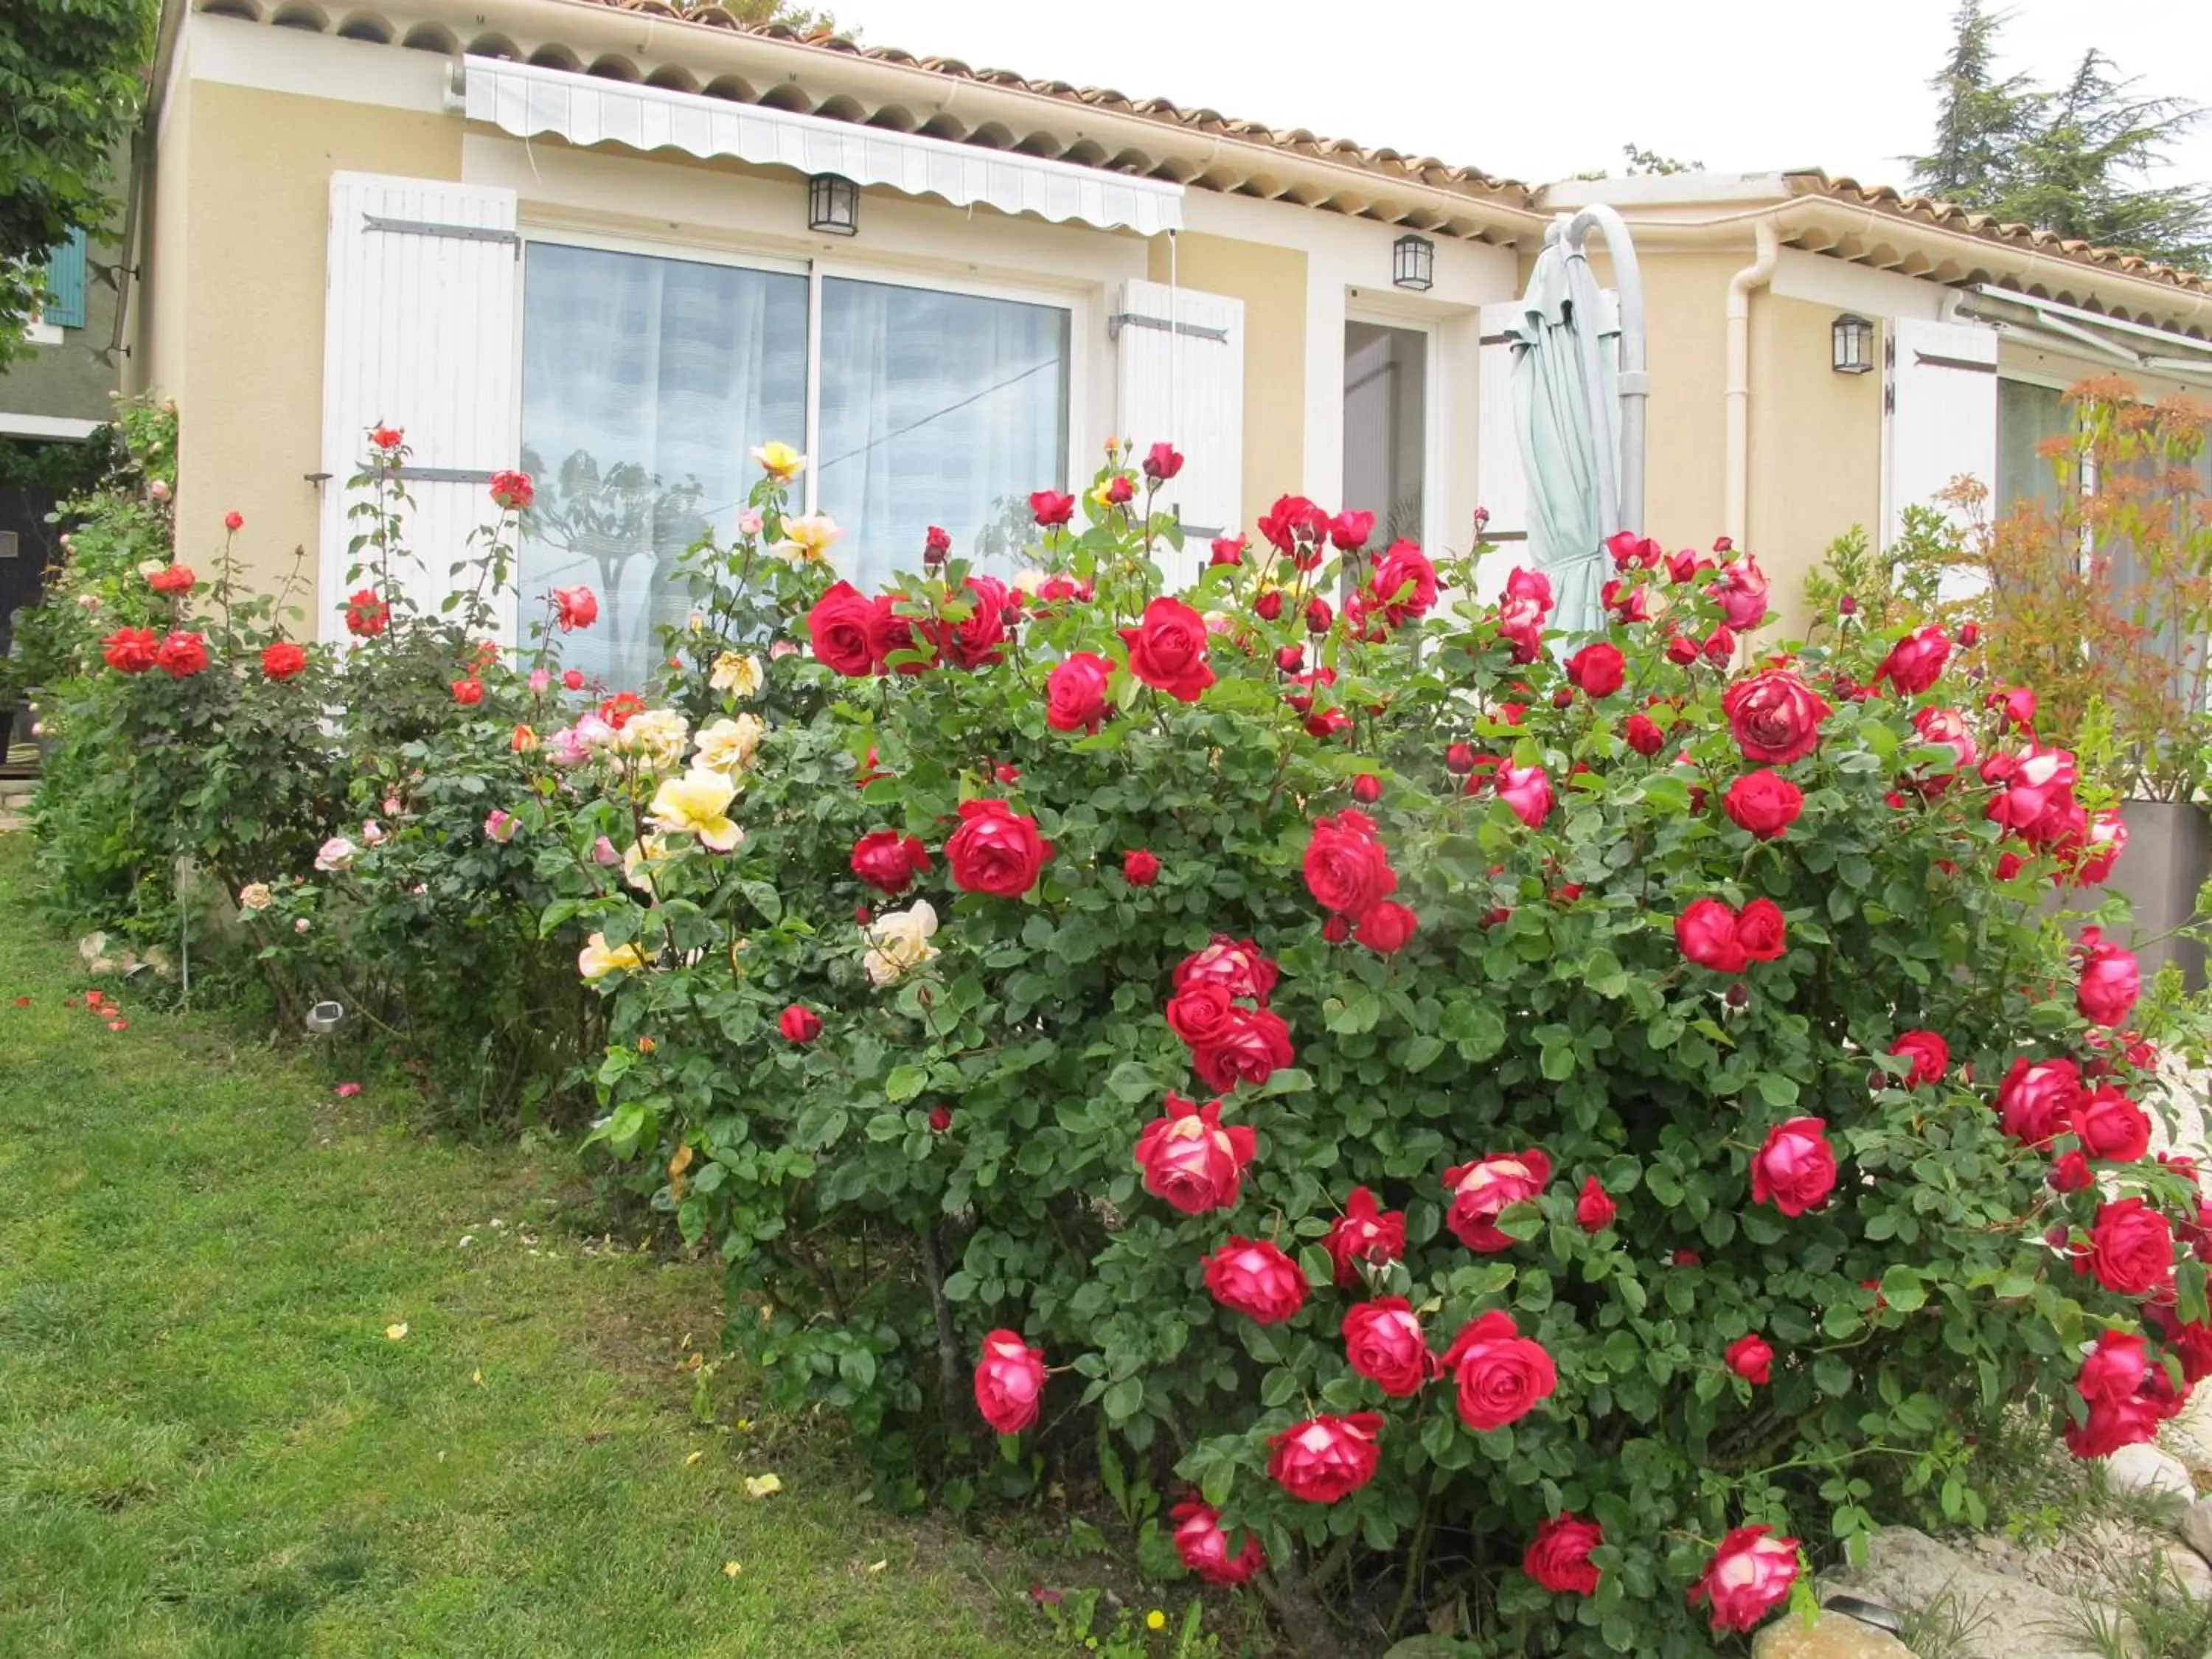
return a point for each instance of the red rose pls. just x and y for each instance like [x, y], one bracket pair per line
[1235, 964]
[2036, 1101]
[512, 490]
[1383, 1341]
[1163, 461]
[385, 437]
[2110, 984]
[1203, 1546]
[468, 692]
[573, 678]
[1190, 1160]
[173, 579]
[1930, 1055]
[1481, 1190]
[799, 1024]
[1528, 791]
[1367, 788]
[130, 650]
[1319, 616]
[2110, 1126]
[1719, 647]
[2114, 1370]
[1597, 671]
[936, 544]
[1269, 607]
[1681, 650]
[1139, 868]
[1643, 735]
[1774, 716]
[1595, 1209]
[1558, 1558]
[1324, 1458]
[1363, 1234]
[1749, 1573]
[2108, 1427]
[181, 655]
[575, 607]
[1705, 933]
[890, 634]
[1252, 1047]
[1795, 1169]
[233, 521]
[1075, 693]
[995, 850]
[1405, 581]
[1119, 490]
[1051, 507]
[1292, 519]
[624, 707]
[282, 660]
[1387, 928]
[1346, 868]
[1915, 661]
[1168, 649]
[1764, 802]
[841, 626]
[1348, 530]
[1227, 550]
[2190, 1343]
[1009, 1381]
[1255, 1279]
[1761, 931]
[2131, 1247]
[888, 861]
[1502, 1376]
[1739, 589]
[2069, 1172]
[1750, 1358]
[978, 640]
[1201, 1013]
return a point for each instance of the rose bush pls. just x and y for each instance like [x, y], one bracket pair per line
[1546, 1133]
[1587, 1113]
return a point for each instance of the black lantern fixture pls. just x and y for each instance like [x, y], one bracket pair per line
[1413, 262]
[833, 205]
[1851, 341]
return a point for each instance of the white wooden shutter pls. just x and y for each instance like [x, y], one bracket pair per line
[1501, 483]
[1940, 419]
[1181, 379]
[418, 333]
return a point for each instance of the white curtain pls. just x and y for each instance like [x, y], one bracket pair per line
[937, 409]
[646, 383]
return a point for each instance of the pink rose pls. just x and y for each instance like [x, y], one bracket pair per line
[1255, 1279]
[2036, 1101]
[1749, 1573]
[1203, 1546]
[1795, 1169]
[1009, 1381]
[1528, 791]
[1075, 693]
[1326, 1458]
[1751, 1358]
[2110, 982]
[1383, 1341]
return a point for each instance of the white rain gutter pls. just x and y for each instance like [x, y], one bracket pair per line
[1736, 497]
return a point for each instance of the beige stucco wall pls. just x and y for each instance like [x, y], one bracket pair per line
[245, 358]
[1272, 284]
[157, 356]
[1815, 449]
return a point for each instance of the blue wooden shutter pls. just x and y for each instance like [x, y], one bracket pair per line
[66, 283]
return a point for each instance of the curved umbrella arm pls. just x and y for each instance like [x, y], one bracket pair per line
[1635, 378]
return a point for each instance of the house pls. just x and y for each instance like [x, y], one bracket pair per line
[55, 393]
[621, 246]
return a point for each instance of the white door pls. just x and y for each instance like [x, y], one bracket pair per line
[1940, 417]
[1181, 363]
[418, 333]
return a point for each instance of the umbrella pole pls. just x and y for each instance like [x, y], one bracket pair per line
[1635, 381]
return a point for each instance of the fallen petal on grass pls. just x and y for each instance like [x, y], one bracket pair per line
[397, 1333]
[763, 1486]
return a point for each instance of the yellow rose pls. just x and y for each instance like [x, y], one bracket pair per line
[697, 804]
[739, 676]
[779, 461]
[727, 746]
[899, 942]
[598, 959]
[642, 861]
[806, 538]
[659, 735]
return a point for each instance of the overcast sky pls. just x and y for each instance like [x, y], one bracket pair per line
[1542, 88]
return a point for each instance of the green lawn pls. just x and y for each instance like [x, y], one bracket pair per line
[209, 1446]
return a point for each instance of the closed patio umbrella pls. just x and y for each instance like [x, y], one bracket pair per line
[1578, 389]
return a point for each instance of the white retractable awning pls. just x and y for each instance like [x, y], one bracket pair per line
[524, 101]
[2077, 330]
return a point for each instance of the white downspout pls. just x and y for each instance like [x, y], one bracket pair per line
[1735, 505]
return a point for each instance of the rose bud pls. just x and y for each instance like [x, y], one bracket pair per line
[1269, 607]
[1459, 759]
[1367, 788]
[940, 1119]
[1847, 606]
[1291, 658]
[1319, 617]
[1139, 868]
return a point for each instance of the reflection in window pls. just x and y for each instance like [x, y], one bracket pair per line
[1386, 427]
[937, 409]
[645, 384]
[2026, 416]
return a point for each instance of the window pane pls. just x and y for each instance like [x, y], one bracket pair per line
[937, 409]
[646, 383]
[2027, 415]
[1386, 433]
